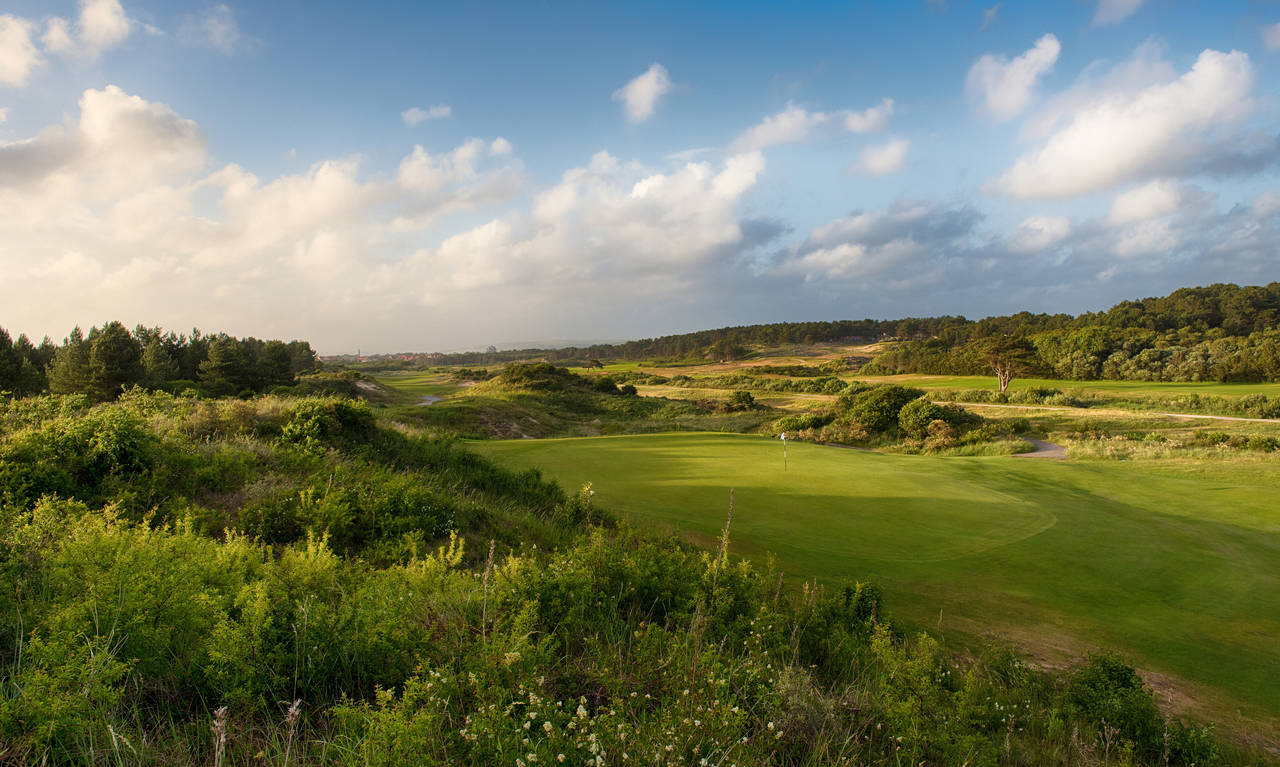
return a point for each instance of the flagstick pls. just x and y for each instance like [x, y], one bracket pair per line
[784, 451]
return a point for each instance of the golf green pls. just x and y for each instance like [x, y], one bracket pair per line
[1176, 563]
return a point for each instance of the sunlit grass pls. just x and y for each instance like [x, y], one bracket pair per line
[1176, 562]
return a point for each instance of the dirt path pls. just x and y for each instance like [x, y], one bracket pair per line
[429, 399]
[1044, 450]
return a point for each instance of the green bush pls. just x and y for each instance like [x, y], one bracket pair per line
[916, 415]
[1108, 692]
[877, 409]
[318, 423]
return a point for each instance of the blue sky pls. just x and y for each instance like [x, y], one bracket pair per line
[580, 171]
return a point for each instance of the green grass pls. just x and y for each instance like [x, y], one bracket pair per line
[1100, 387]
[1176, 563]
[419, 384]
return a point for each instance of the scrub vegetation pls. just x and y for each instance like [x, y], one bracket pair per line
[222, 550]
[291, 581]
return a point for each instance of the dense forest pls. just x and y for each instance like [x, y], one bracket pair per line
[110, 359]
[284, 580]
[1215, 333]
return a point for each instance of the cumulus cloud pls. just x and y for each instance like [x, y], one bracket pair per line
[215, 27]
[605, 227]
[883, 159]
[1271, 36]
[1006, 86]
[908, 238]
[18, 54]
[416, 115]
[640, 96]
[892, 261]
[1039, 233]
[100, 26]
[789, 126]
[117, 211]
[796, 124]
[1152, 200]
[1114, 11]
[869, 120]
[1119, 136]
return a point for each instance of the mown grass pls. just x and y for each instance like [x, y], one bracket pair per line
[420, 384]
[1176, 562]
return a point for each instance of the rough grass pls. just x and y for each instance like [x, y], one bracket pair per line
[1117, 388]
[1176, 562]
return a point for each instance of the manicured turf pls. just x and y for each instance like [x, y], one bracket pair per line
[419, 384]
[1175, 563]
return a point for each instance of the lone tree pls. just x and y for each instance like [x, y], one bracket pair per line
[1007, 356]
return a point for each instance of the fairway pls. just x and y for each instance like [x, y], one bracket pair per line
[1176, 563]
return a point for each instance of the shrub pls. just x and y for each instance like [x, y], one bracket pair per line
[1109, 693]
[606, 385]
[802, 422]
[916, 416]
[316, 423]
[740, 400]
[878, 408]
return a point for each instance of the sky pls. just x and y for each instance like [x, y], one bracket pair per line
[405, 176]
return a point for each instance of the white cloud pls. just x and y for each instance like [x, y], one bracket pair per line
[101, 25]
[640, 96]
[1152, 200]
[117, 213]
[215, 27]
[1271, 36]
[685, 155]
[1006, 86]
[1147, 67]
[604, 228]
[1121, 137]
[909, 238]
[18, 54]
[883, 159]
[4, 115]
[500, 146]
[1114, 11]
[796, 124]
[416, 116]
[1039, 233]
[791, 125]
[57, 37]
[869, 120]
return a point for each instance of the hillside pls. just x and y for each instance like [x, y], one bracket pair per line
[293, 581]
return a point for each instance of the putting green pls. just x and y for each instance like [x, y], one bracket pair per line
[1176, 563]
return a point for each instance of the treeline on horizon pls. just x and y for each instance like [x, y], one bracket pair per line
[1222, 332]
[110, 359]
